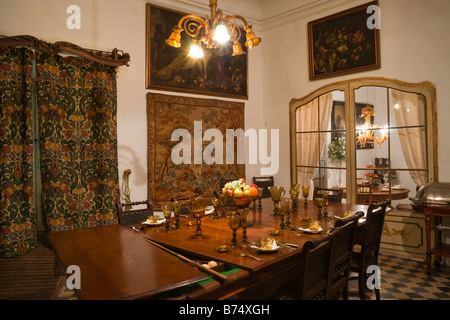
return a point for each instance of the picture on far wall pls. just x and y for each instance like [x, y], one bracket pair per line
[343, 43]
[218, 73]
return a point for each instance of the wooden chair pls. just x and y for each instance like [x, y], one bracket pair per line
[364, 193]
[319, 182]
[129, 217]
[264, 182]
[342, 255]
[334, 195]
[315, 267]
[370, 245]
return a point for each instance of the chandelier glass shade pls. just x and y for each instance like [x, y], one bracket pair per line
[365, 133]
[214, 31]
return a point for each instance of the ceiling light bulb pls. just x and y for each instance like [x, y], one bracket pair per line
[195, 51]
[221, 35]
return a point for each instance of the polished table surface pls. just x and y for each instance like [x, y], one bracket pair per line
[278, 266]
[115, 263]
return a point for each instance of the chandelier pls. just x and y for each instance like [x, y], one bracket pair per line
[365, 133]
[212, 32]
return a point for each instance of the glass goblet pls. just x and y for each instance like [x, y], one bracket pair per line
[223, 201]
[176, 211]
[234, 223]
[325, 203]
[319, 204]
[167, 212]
[216, 205]
[294, 196]
[198, 211]
[305, 190]
[259, 196]
[244, 214]
[281, 209]
[288, 203]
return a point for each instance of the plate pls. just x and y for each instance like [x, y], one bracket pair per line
[158, 223]
[307, 230]
[399, 187]
[280, 245]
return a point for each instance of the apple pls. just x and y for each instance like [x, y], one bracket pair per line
[253, 191]
[254, 186]
[229, 192]
[237, 193]
[241, 180]
[247, 193]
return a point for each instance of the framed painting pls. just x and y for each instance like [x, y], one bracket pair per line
[170, 69]
[343, 43]
[167, 113]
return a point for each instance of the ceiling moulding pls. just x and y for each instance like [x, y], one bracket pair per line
[310, 9]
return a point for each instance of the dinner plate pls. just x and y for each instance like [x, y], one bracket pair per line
[399, 187]
[158, 223]
[307, 230]
[280, 245]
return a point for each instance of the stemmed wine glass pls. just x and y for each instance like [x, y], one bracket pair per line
[294, 196]
[198, 211]
[176, 211]
[325, 203]
[305, 190]
[167, 212]
[277, 194]
[234, 223]
[259, 196]
[216, 205]
[223, 201]
[319, 203]
[281, 209]
[244, 214]
[288, 203]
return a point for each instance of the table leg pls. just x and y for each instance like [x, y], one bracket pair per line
[428, 238]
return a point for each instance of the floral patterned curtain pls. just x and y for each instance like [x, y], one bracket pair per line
[77, 103]
[17, 210]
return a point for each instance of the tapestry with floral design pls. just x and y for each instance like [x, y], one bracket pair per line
[17, 211]
[77, 101]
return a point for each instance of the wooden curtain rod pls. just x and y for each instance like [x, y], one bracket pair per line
[115, 58]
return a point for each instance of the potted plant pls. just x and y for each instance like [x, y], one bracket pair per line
[336, 152]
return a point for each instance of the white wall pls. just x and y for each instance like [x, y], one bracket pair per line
[109, 24]
[414, 48]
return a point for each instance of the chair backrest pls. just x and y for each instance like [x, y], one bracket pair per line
[315, 267]
[264, 182]
[364, 193]
[334, 195]
[128, 217]
[373, 230]
[319, 182]
[342, 253]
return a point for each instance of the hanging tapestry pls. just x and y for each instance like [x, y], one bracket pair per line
[165, 114]
[77, 101]
[17, 212]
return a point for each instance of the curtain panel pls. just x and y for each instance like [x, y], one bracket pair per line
[17, 210]
[77, 105]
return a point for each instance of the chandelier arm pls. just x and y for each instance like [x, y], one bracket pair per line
[236, 16]
[185, 24]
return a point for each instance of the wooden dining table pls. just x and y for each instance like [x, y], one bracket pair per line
[378, 194]
[247, 277]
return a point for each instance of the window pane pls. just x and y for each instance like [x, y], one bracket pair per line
[406, 109]
[408, 148]
[307, 149]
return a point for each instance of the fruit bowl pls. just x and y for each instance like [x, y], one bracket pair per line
[240, 193]
[242, 202]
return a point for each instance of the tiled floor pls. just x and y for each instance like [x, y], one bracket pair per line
[401, 279]
[407, 279]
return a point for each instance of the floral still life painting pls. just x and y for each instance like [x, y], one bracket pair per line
[343, 43]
